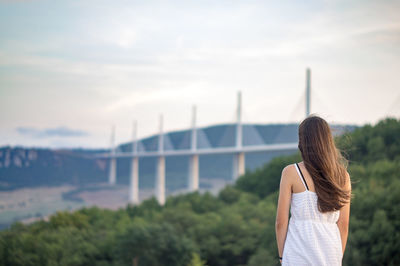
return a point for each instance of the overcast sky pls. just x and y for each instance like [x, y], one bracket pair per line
[71, 69]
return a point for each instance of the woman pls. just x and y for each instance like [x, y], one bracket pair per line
[317, 191]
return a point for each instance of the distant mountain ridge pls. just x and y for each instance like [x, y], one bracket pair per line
[33, 167]
[220, 136]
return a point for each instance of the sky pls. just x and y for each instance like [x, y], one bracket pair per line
[70, 70]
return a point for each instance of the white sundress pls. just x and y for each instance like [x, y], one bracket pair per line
[313, 237]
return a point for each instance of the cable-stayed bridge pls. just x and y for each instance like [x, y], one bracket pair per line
[195, 143]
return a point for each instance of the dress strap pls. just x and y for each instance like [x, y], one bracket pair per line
[301, 175]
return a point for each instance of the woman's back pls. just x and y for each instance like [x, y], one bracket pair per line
[313, 237]
[304, 203]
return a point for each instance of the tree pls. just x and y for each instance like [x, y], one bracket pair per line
[153, 245]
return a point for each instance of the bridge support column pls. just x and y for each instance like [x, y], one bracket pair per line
[238, 165]
[112, 175]
[134, 182]
[194, 173]
[238, 157]
[160, 181]
[308, 91]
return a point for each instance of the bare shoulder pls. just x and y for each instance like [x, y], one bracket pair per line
[289, 168]
[288, 172]
[348, 180]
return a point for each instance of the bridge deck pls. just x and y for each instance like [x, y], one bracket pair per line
[254, 148]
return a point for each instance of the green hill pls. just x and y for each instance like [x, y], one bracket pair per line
[237, 227]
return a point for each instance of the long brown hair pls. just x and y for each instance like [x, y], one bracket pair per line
[324, 162]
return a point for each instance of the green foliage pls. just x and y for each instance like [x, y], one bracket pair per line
[66, 219]
[236, 227]
[374, 155]
[370, 143]
[199, 203]
[153, 245]
[196, 260]
[374, 237]
[229, 194]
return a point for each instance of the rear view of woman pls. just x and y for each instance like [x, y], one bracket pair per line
[317, 191]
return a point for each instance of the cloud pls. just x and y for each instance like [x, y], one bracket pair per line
[51, 132]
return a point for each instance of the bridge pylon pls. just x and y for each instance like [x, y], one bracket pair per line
[160, 179]
[194, 158]
[308, 92]
[238, 157]
[112, 175]
[134, 175]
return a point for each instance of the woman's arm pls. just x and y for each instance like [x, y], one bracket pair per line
[282, 212]
[343, 222]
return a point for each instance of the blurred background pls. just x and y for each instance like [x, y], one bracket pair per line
[82, 83]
